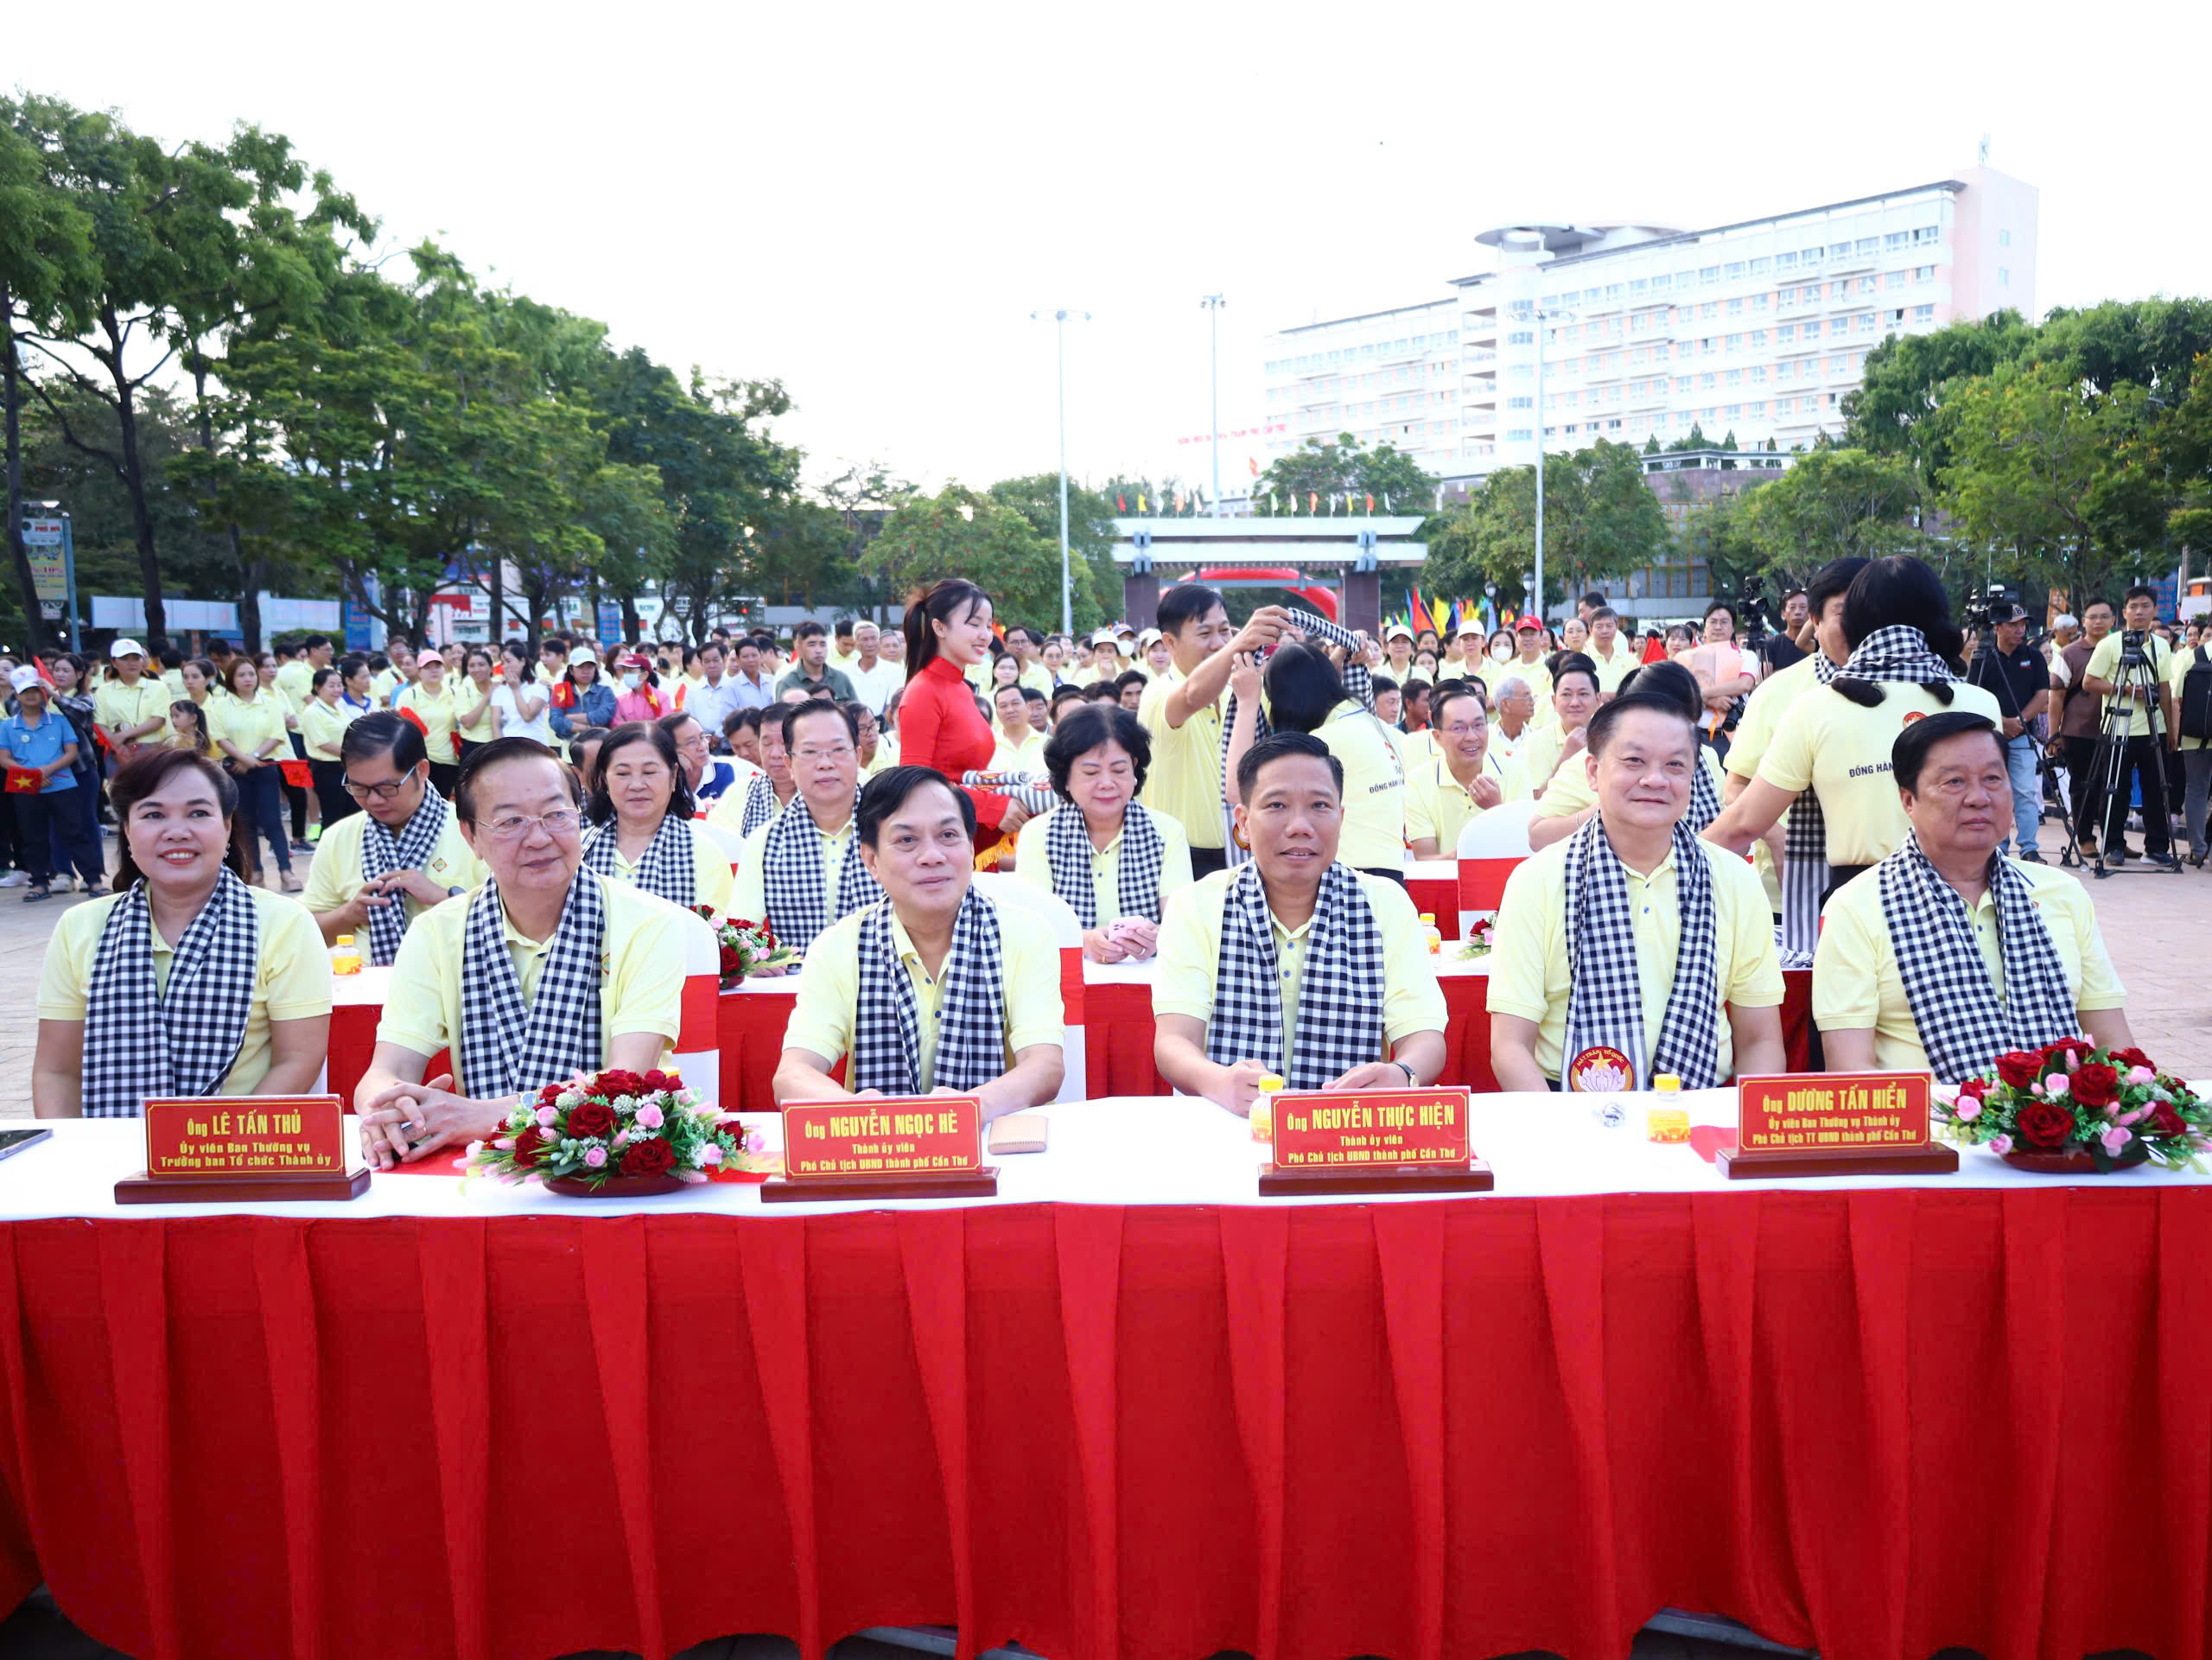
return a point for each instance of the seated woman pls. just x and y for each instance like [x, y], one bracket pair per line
[184, 982]
[1113, 861]
[640, 809]
[1570, 797]
[928, 990]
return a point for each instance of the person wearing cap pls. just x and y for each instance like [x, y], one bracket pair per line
[1106, 661]
[1153, 655]
[1465, 779]
[35, 739]
[641, 697]
[1527, 663]
[132, 706]
[430, 703]
[1398, 644]
[2019, 678]
[583, 701]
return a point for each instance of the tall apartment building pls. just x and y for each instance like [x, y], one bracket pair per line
[1757, 328]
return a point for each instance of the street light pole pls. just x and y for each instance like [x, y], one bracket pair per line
[1060, 352]
[1213, 304]
[1541, 316]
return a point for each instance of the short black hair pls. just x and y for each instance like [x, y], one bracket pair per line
[1086, 729]
[1031, 695]
[844, 629]
[1567, 662]
[1065, 693]
[1720, 605]
[379, 731]
[735, 719]
[2141, 591]
[1667, 679]
[886, 793]
[1795, 592]
[1302, 687]
[1909, 754]
[1834, 578]
[1274, 747]
[1593, 598]
[808, 630]
[1379, 683]
[789, 716]
[1609, 715]
[171, 658]
[314, 642]
[1101, 689]
[350, 666]
[658, 738]
[1441, 698]
[1605, 611]
[2099, 600]
[1122, 681]
[497, 753]
[1185, 602]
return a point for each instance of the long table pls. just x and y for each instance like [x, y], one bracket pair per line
[1124, 1410]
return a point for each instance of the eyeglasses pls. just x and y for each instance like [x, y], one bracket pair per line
[811, 753]
[561, 821]
[376, 792]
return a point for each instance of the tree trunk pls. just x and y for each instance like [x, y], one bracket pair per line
[497, 581]
[632, 628]
[19, 559]
[250, 594]
[134, 483]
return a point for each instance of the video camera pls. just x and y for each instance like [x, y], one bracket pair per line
[1979, 606]
[1752, 610]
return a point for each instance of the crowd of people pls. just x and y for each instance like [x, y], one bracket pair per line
[519, 834]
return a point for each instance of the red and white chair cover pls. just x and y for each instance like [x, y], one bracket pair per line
[1048, 911]
[698, 1047]
[1490, 847]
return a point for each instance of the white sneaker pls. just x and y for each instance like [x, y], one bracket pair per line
[14, 878]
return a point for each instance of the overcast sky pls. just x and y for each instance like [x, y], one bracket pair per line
[868, 202]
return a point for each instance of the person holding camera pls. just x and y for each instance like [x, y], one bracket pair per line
[2129, 670]
[2014, 672]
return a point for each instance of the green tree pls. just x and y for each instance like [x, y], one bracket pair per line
[1345, 466]
[967, 531]
[1831, 504]
[1094, 584]
[1601, 521]
[1898, 407]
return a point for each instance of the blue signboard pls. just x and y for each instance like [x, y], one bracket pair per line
[2169, 597]
[361, 627]
[610, 625]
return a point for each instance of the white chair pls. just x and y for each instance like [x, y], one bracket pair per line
[1016, 898]
[728, 841]
[1490, 847]
[698, 1046]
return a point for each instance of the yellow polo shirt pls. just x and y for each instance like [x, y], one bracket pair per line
[249, 726]
[1190, 960]
[749, 895]
[2104, 664]
[323, 726]
[1184, 779]
[711, 881]
[2177, 671]
[291, 979]
[1772, 699]
[729, 811]
[1538, 676]
[1028, 756]
[829, 991]
[1529, 962]
[295, 676]
[174, 680]
[1855, 979]
[115, 704]
[1374, 836]
[439, 713]
[1415, 749]
[1612, 670]
[1439, 806]
[1036, 676]
[383, 683]
[336, 875]
[1033, 862]
[1840, 750]
[640, 964]
[1538, 752]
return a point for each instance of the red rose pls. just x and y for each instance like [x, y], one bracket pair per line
[590, 1118]
[528, 1145]
[2020, 1068]
[2046, 1125]
[2133, 1057]
[648, 1158]
[657, 1080]
[1976, 1089]
[2055, 1054]
[619, 1081]
[2164, 1121]
[2095, 1084]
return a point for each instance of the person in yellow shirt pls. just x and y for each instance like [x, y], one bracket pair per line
[399, 854]
[1398, 653]
[1529, 665]
[1113, 861]
[797, 871]
[248, 727]
[743, 808]
[640, 810]
[1609, 654]
[132, 706]
[933, 987]
[1021, 745]
[295, 676]
[1304, 693]
[1294, 963]
[1835, 740]
[172, 662]
[1570, 798]
[1632, 949]
[2141, 706]
[323, 721]
[430, 701]
[1947, 954]
[183, 981]
[1465, 781]
[549, 970]
[1181, 710]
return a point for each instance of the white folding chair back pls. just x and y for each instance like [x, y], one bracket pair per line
[698, 1047]
[1024, 900]
[1489, 848]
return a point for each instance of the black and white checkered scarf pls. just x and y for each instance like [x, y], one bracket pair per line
[1067, 844]
[971, 1026]
[759, 802]
[1036, 799]
[666, 869]
[506, 1048]
[182, 1041]
[1805, 853]
[382, 853]
[1360, 686]
[1705, 797]
[1604, 996]
[791, 877]
[1964, 1026]
[1339, 996]
[1895, 653]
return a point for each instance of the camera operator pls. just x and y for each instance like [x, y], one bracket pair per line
[2115, 670]
[2074, 721]
[2014, 672]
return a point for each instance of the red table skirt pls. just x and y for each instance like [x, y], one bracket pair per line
[1880, 1422]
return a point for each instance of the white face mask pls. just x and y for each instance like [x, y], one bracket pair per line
[1501, 652]
[632, 679]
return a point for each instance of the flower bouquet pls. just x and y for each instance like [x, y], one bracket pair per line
[747, 947]
[614, 1132]
[2073, 1108]
[1480, 936]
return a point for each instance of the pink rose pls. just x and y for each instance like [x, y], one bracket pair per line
[2000, 1145]
[597, 1156]
[2116, 1138]
[2073, 1061]
[757, 1142]
[505, 1143]
[2129, 1117]
[2056, 1084]
[2141, 1075]
[1968, 1109]
[650, 1116]
[709, 1154]
[2035, 1087]
[545, 1117]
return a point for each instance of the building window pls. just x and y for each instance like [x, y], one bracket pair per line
[1758, 266]
[1735, 342]
[1735, 411]
[1811, 256]
[2004, 277]
[1735, 377]
[1758, 337]
[1924, 273]
[1758, 372]
[1758, 302]
[1520, 403]
[1838, 251]
[1865, 245]
[1812, 295]
[1636, 285]
[1518, 434]
[2004, 238]
[1736, 308]
[1897, 279]
[1682, 383]
[1784, 261]
[1612, 290]
[1927, 233]
[1895, 240]
[1734, 269]
[1866, 285]
[1708, 380]
[1812, 331]
[1708, 274]
[1785, 333]
[1660, 282]
[1923, 314]
[1521, 337]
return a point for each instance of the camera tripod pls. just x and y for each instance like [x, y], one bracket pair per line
[2133, 676]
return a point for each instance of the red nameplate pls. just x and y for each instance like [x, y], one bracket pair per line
[1834, 1124]
[1383, 1126]
[246, 1135]
[910, 1135]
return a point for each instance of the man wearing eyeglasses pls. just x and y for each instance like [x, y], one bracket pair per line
[419, 856]
[800, 896]
[547, 970]
[1467, 780]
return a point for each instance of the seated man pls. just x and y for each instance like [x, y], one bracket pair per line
[1632, 949]
[932, 990]
[1294, 963]
[709, 776]
[1946, 954]
[1465, 781]
[798, 870]
[378, 870]
[549, 969]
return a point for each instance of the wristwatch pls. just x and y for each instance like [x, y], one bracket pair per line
[1413, 1082]
[456, 892]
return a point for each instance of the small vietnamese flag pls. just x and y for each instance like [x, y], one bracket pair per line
[1313, 501]
[1121, 503]
[1370, 501]
[1253, 462]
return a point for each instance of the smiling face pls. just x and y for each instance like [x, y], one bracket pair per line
[1642, 777]
[1962, 806]
[639, 783]
[1575, 700]
[178, 834]
[1013, 711]
[965, 636]
[824, 761]
[434, 674]
[1200, 638]
[923, 855]
[1102, 783]
[1293, 818]
[1462, 728]
[511, 798]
